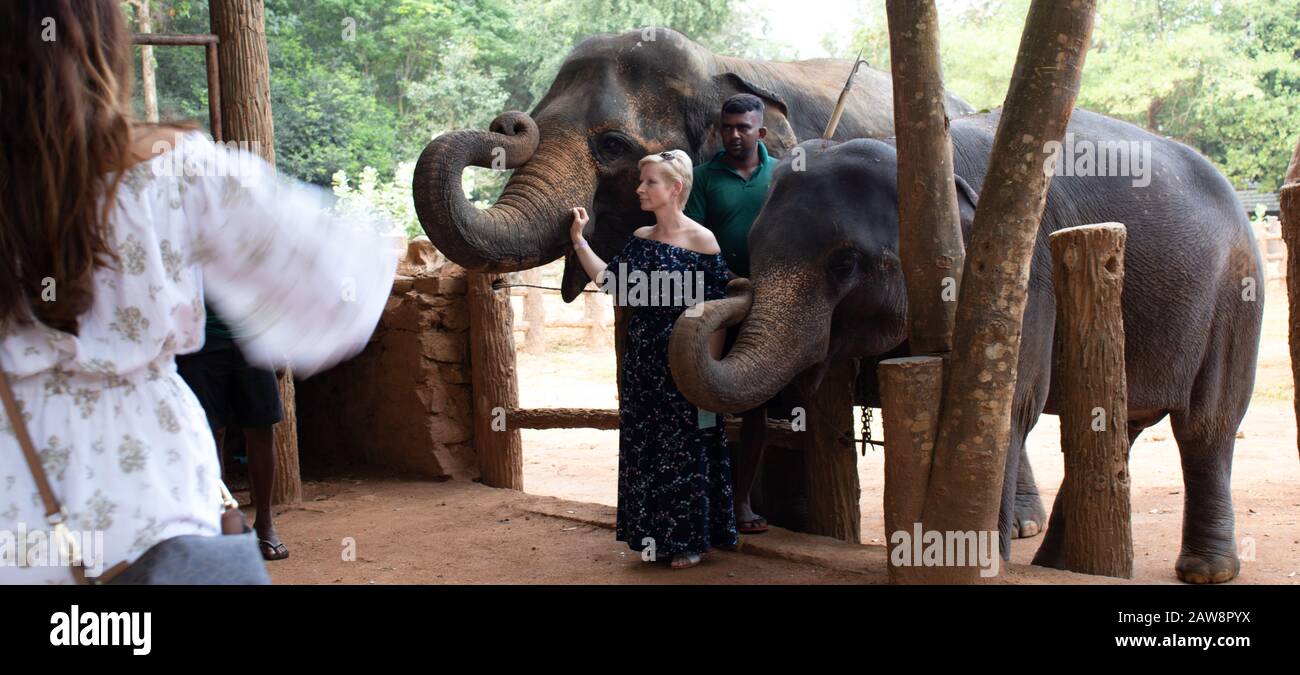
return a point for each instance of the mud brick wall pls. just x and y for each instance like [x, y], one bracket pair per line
[404, 402]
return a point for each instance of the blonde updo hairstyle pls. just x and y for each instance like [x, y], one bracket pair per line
[675, 165]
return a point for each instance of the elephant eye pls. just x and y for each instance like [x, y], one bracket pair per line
[843, 264]
[612, 145]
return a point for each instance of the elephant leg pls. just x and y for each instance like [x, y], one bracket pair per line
[1030, 516]
[1006, 514]
[1209, 552]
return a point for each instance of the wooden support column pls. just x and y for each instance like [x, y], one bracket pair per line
[932, 252]
[929, 239]
[245, 75]
[534, 313]
[830, 457]
[496, 391]
[1088, 273]
[1290, 199]
[965, 491]
[910, 389]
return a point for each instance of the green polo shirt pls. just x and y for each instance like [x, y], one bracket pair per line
[727, 204]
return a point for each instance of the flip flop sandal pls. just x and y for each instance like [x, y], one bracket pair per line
[691, 560]
[272, 551]
[750, 526]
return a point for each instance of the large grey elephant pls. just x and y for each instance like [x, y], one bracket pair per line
[826, 283]
[616, 99]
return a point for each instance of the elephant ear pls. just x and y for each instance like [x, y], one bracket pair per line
[967, 199]
[706, 110]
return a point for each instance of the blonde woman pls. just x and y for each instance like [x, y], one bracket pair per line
[674, 472]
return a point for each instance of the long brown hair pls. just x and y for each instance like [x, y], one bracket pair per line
[65, 126]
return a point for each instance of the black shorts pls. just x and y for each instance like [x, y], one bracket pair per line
[231, 391]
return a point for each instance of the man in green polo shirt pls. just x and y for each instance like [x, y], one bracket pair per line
[726, 195]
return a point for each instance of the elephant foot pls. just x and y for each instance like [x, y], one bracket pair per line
[1030, 516]
[1214, 568]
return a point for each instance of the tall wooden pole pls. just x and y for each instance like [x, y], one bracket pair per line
[245, 71]
[496, 389]
[965, 490]
[1088, 275]
[929, 232]
[931, 249]
[1290, 208]
[830, 459]
[910, 389]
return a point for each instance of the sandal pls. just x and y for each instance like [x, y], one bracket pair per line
[755, 526]
[683, 560]
[273, 551]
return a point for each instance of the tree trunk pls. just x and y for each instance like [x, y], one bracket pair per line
[965, 491]
[1290, 209]
[148, 65]
[910, 390]
[496, 390]
[929, 243]
[1088, 273]
[246, 117]
[830, 458]
[245, 74]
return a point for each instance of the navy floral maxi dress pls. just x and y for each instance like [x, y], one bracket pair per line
[674, 477]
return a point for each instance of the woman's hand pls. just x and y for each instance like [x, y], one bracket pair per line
[580, 220]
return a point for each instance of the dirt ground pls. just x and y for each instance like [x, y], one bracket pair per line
[560, 531]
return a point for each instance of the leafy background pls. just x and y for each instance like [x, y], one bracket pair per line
[359, 87]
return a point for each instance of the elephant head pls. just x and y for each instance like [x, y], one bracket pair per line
[826, 281]
[616, 99]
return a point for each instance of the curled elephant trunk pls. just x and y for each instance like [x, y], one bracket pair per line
[529, 224]
[779, 338]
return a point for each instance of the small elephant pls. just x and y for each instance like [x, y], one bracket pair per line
[827, 283]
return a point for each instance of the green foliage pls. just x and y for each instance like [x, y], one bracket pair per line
[367, 83]
[1222, 76]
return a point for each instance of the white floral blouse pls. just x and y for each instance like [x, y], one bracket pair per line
[124, 441]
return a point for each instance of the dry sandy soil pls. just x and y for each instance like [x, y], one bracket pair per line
[561, 530]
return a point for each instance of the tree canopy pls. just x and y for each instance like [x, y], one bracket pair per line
[367, 83]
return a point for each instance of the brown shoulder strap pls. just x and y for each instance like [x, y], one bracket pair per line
[19, 427]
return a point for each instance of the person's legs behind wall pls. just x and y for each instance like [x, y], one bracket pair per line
[255, 406]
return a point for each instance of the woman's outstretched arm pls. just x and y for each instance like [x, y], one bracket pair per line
[590, 261]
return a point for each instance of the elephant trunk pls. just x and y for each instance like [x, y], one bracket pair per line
[782, 334]
[529, 224]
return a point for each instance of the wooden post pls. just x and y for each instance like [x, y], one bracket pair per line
[830, 458]
[534, 313]
[245, 75]
[965, 491]
[148, 65]
[1290, 209]
[910, 389]
[593, 313]
[929, 238]
[492, 374]
[1088, 273]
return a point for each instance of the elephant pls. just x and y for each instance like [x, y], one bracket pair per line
[826, 283]
[616, 99]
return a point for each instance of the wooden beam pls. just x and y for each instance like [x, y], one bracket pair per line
[496, 391]
[910, 389]
[1088, 273]
[1290, 213]
[830, 463]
